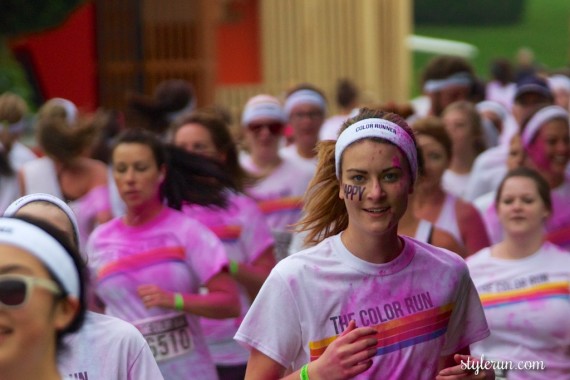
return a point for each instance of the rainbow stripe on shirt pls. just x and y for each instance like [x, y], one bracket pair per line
[141, 260]
[227, 234]
[535, 293]
[400, 333]
[282, 204]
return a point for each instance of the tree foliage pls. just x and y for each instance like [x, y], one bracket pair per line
[25, 16]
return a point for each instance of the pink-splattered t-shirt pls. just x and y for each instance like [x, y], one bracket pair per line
[423, 305]
[245, 234]
[280, 198]
[174, 252]
[527, 304]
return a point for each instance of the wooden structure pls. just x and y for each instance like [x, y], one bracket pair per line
[141, 43]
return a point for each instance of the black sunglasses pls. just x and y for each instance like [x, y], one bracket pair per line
[15, 289]
[274, 128]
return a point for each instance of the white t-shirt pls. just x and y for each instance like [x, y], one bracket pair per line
[107, 348]
[280, 198]
[455, 184]
[447, 218]
[174, 252]
[291, 153]
[311, 296]
[9, 191]
[503, 94]
[331, 126]
[245, 234]
[19, 155]
[527, 304]
[487, 172]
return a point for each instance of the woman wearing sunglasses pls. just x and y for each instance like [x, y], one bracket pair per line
[104, 347]
[41, 298]
[281, 182]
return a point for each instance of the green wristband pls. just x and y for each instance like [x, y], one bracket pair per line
[234, 267]
[178, 302]
[305, 372]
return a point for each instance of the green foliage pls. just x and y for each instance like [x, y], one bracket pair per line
[474, 12]
[24, 16]
[12, 77]
[544, 28]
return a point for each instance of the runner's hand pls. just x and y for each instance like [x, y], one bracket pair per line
[460, 372]
[154, 296]
[347, 356]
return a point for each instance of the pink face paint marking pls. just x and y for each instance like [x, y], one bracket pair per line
[396, 162]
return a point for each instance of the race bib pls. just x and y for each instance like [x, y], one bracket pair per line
[168, 336]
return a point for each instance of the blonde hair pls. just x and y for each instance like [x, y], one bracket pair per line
[325, 213]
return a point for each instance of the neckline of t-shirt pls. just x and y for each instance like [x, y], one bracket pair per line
[159, 218]
[392, 267]
[536, 256]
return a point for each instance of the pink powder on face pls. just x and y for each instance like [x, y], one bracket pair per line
[539, 156]
[396, 162]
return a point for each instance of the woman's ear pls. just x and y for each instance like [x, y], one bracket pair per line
[162, 175]
[65, 312]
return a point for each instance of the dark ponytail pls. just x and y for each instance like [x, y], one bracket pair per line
[189, 178]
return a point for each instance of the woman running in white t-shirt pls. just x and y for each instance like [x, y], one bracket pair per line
[415, 304]
[42, 298]
[524, 284]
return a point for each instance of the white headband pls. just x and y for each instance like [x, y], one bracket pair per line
[379, 128]
[262, 107]
[559, 82]
[30, 198]
[45, 248]
[68, 106]
[495, 107]
[189, 107]
[538, 119]
[304, 96]
[457, 79]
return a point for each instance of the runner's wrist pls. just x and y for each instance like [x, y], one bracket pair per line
[178, 301]
[312, 371]
[233, 268]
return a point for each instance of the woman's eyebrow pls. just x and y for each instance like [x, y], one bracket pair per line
[14, 268]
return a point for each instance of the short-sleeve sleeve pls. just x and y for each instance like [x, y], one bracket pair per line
[143, 365]
[205, 253]
[467, 324]
[272, 324]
